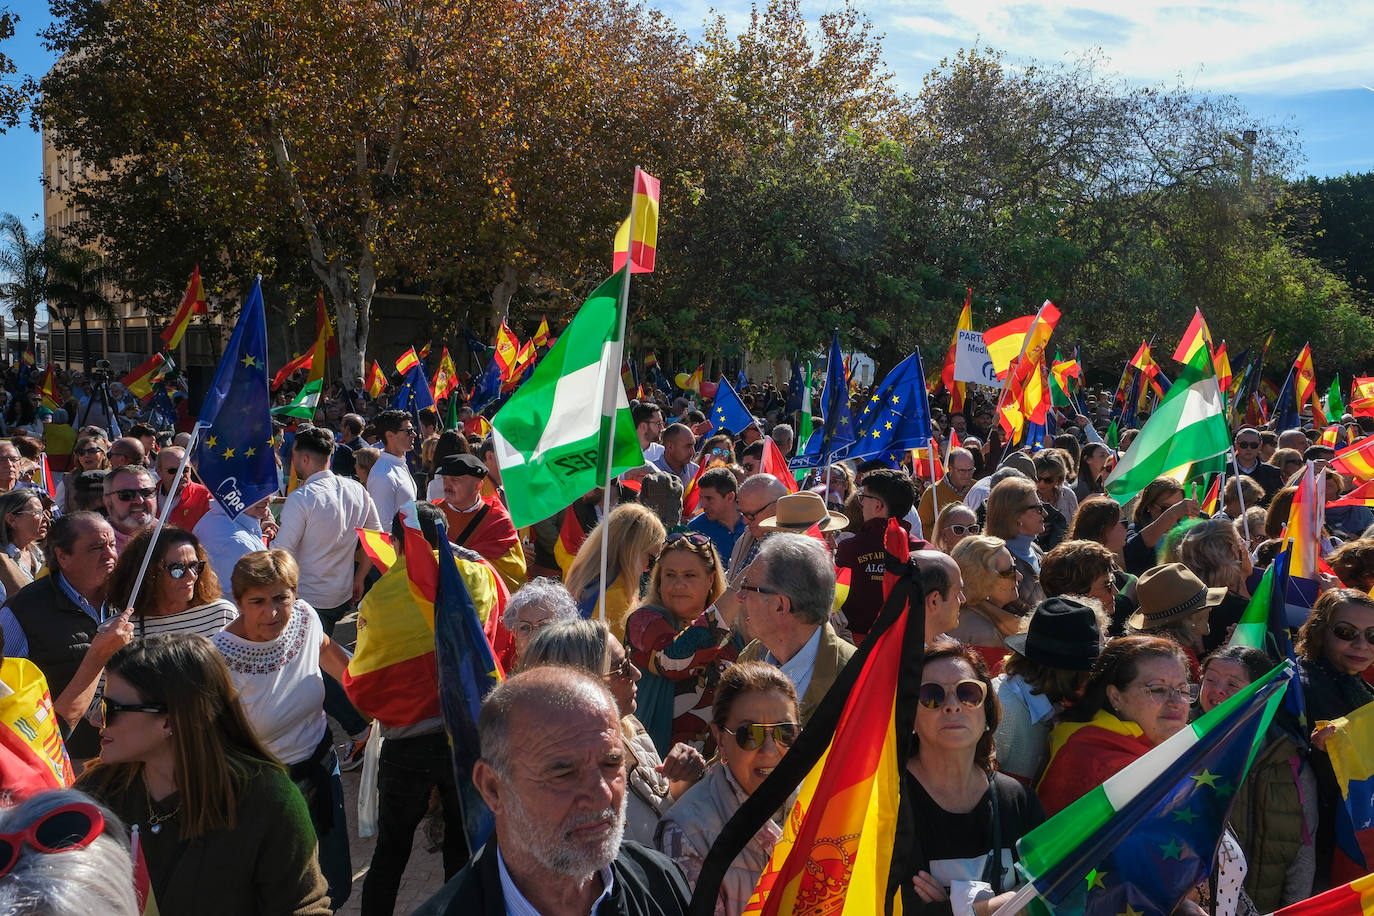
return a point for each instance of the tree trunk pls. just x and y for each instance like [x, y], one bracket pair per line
[504, 291]
[353, 312]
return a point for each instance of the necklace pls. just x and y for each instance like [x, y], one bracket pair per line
[155, 820]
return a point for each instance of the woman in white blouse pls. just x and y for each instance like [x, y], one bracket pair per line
[275, 650]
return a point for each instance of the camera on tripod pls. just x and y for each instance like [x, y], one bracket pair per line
[102, 372]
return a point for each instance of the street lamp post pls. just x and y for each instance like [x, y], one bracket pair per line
[65, 312]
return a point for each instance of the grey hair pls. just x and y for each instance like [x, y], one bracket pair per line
[784, 431]
[799, 566]
[142, 470]
[77, 882]
[64, 531]
[584, 644]
[555, 687]
[766, 484]
[546, 593]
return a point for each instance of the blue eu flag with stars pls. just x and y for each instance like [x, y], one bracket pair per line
[728, 412]
[234, 450]
[836, 434]
[896, 417]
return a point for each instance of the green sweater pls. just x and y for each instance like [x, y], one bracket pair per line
[265, 865]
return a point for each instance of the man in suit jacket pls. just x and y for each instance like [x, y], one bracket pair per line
[786, 595]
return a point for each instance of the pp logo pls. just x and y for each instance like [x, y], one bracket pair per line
[990, 372]
[229, 494]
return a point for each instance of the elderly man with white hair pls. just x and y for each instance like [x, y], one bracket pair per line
[552, 772]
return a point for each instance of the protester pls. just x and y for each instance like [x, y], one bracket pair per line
[1084, 569]
[478, 523]
[191, 500]
[955, 522]
[758, 499]
[636, 536]
[130, 501]
[1017, 515]
[342, 462]
[1158, 508]
[537, 604]
[553, 774]
[90, 452]
[1137, 696]
[753, 723]
[992, 609]
[1215, 553]
[785, 598]
[1335, 649]
[389, 481]
[885, 494]
[1353, 563]
[1091, 471]
[276, 651]
[127, 451]
[364, 460]
[948, 490]
[679, 446]
[227, 539]
[1247, 443]
[962, 840]
[1051, 473]
[720, 518]
[180, 593]
[9, 466]
[1046, 670]
[222, 827]
[653, 782]
[23, 526]
[1177, 605]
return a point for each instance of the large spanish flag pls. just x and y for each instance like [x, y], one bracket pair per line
[192, 303]
[1353, 899]
[1019, 337]
[1356, 460]
[643, 221]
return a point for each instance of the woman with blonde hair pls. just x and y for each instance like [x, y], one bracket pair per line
[636, 537]
[1017, 515]
[1213, 550]
[955, 522]
[90, 454]
[992, 610]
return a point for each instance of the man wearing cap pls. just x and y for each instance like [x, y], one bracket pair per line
[1176, 604]
[480, 524]
[1049, 666]
[884, 495]
[719, 520]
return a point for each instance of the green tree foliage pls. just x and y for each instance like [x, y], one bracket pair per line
[1333, 218]
[23, 271]
[12, 96]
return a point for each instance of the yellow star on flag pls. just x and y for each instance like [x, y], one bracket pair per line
[211, 442]
[1095, 880]
[1205, 778]
[250, 360]
[250, 453]
[228, 453]
[1131, 912]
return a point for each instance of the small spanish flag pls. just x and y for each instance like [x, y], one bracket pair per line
[140, 380]
[445, 377]
[377, 545]
[507, 353]
[1196, 336]
[407, 361]
[376, 381]
[49, 388]
[541, 336]
[424, 351]
[643, 221]
[192, 303]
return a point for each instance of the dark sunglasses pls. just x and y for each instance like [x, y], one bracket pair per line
[1038, 507]
[109, 710]
[1247, 445]
[1348, 632]
[179, 570]
[73, 826]
[623, 669]
[751, 736]
[969, 693]
[92, 450]
[133, 496]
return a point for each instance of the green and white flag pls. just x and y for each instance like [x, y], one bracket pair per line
[1188, 427]
[303, 407]
[551, 436]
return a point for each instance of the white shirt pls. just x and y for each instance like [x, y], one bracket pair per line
[317, 528]
[227, 539]
[280, 684]
[517, 905]
[800, 666]
[390, 485]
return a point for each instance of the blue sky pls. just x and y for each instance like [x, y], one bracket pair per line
[1299, 62]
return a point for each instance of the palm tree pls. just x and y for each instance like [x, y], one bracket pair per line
[23, 270]
[77, 274]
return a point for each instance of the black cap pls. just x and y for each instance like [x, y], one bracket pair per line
[90, 480]
[463, 466]
[1062, 634]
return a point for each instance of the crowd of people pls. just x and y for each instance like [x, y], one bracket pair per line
[200, 697]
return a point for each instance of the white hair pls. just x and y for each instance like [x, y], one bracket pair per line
[548, 594]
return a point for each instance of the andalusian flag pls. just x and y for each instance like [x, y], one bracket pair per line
[304, 404]
[1187, 426]
[552, 436]
[1143, 839]
[644, 220]
[192, 303]
[1197, 337]
[956, 389]
[376, 380]
[1334, 406]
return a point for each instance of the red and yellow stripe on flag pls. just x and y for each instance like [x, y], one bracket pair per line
[507, 351]
[1363, 495]
[1353, 899]
[643, 222]
[1004, 342]
[445, 377]
[1221, 361]
[192, 303]
[541, 334]
[957, 390]
[1196, 336]
[422, 567]
[377, 545]
[140, 380]
[407, 361]
[921, 463]
[694, 382]
[376, 380]
[1211, 503]
[424, 351]
[1305, 524]
[775, 464]
[843, 576]
[1356, 460]
[49, 388]
[28, 358]
[1330, 436]
[836, 849]
[325, 343]
[1305, 385]
[305, 361]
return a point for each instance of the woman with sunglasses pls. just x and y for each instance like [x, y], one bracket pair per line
[62, 854]
[223, 828]
[964, 817]
[1335, 649]
[754, 722]
[23, 525]
[653, 782]
[636, 536]
[90, 454]
[1137, 696]
[1016, 514]
[276, 650]
[992, 608]
[955, 522]
[180, 592]
[1092, 467]
[682, 641]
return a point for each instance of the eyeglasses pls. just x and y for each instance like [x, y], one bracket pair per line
[962, 530]
[525, 628]
[1038, 507]
[133, 496]
[693, 539]
[73, 826]
[1348, 632]
[1163, 693]
[1247, 445]
[968, 692]
[1008, 573]
[1050, 481]
[91, 450]
[179, 570]
[752, 735]
[108, 710]
[623, 670]
[744, 588]
[750, 516]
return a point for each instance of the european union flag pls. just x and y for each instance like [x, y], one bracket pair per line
[234, 450]
[162, 413]
[468, 670]
[488, 387]
[728, 412]
[897, 415]
[1286, 406]
[836, 434]
[795, 384]
[475, 345]
[414, 394]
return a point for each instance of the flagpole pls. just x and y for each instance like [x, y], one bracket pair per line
[1240, 493]
[162, 516]
[608, 400]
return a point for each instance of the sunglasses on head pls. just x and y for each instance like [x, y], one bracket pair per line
[968, 692]
[179, 570]
[1348, 632]
[132, 496]
[73, 826]
[693, 539]
[752, 735]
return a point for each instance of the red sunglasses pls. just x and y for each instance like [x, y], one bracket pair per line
[73, 826]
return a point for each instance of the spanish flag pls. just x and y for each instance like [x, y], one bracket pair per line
[694, 382]
[49, 388]
[325, 343]
[1305, 524]
[377, 546]
[376, 380]
[192, 303]
[507, 353]
[1026, 336]
[424, 351]
[1305, 385]
[1356, 460]
[446, 378]
[643, 220]
[957, 389]
[407, 361]
[775, 464]
[541, 334]
[1222, 362]
[1353, 899]
[140, 381]
[1363, 495]
[1196, 336]
[304, 361]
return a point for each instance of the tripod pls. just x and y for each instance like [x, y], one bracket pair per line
[102, 393]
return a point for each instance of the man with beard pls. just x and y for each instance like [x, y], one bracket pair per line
[130, 501]
[553, 773]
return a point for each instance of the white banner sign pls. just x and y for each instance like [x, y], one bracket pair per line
[971, 361]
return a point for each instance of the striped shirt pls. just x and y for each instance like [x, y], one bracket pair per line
[206, 620]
